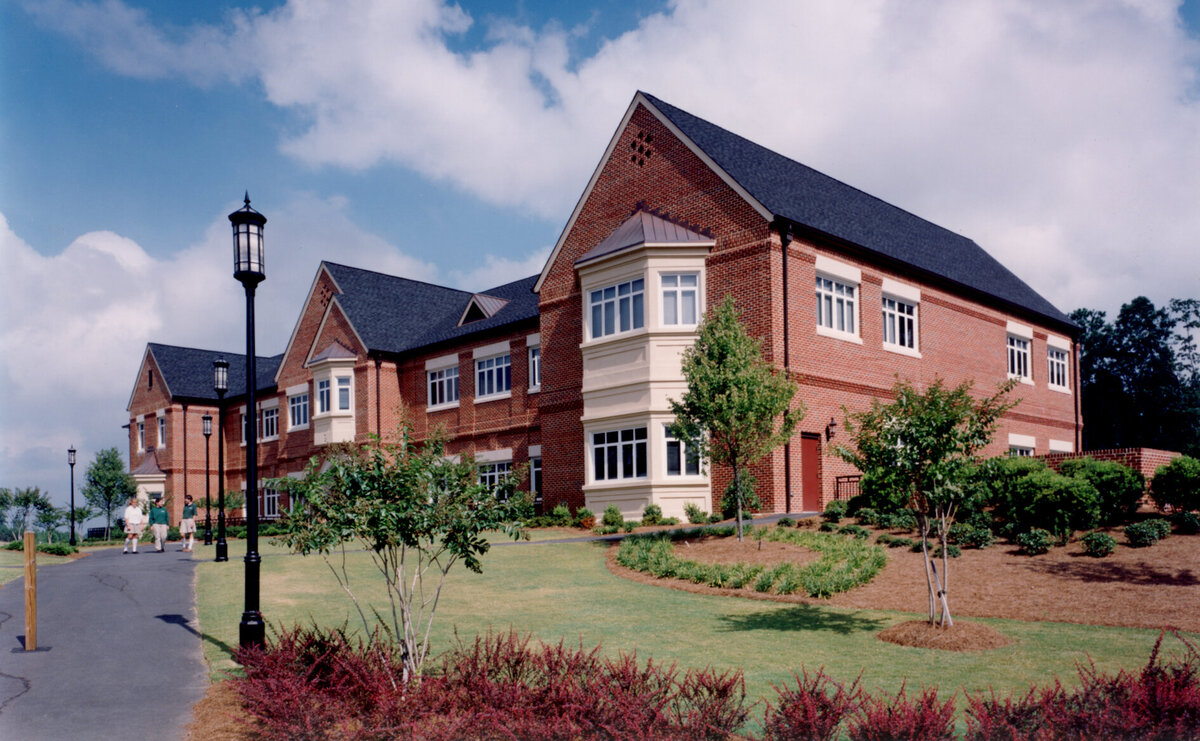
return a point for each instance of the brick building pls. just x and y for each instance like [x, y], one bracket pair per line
[847, 292]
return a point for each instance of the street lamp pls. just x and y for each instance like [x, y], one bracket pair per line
[207, 419]
[221, 385]
[71, 461]
[248, 269]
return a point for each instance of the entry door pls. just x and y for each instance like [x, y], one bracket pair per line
[810, 479]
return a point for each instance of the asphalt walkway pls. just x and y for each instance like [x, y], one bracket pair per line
[118, 649]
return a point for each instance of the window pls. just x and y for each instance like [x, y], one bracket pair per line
[535, 478]
[443, 387]
[619, 308]
[343, 387]
[324, 405]
[835, 305]
[490, 474]
[535, 368]
[493, 376]
[1057, 371]
[141, 435]
[298, 411]
[899, 323]
[1019, 451]
[269, 424]
[1018, 357]
[679, 298]
[162, 431]
[682, 459]
[619, 454]
[268, 503]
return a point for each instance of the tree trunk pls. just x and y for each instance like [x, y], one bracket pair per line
[923, 524]
[737, 494]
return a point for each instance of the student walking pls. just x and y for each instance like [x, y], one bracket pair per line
[134, 522]
[158, 524]
[187, 524]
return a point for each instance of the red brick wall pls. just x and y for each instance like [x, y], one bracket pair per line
[1144, 460]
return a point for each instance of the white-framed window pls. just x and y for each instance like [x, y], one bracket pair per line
[1056, 370]
[490, 474]
[1019, 451]
[680, 297]
[682, 459]
[837, 305]
[619, 454]
[493, 376]
[618, 308]
[1021, 446]
[443, 386]
[141, 427]
[269, 424]
[324, 398]
[343, 389]
[162, 432]
[535, 477]
[1018, 357]
[298, 411]
[535, 368]
[268, 503]
[245, 428]
[899, 323]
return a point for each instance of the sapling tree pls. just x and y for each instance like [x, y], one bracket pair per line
[919, 449]
[27, 504]
[414, 511]
[107, 486]
[737, 405]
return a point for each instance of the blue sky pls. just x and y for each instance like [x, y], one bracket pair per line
[450, 142]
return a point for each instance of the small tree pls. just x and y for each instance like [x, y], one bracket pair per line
[416, 513]
[1177, 484]
[107, 486]
[48, 518]
[26, 504]
[736, 407]
[5, 505]
[921, 447]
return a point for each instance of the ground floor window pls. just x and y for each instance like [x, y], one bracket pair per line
[682, 459]
[268, 504]
[490, 474]
[1019, 451]
[535, 478]
[619, 454]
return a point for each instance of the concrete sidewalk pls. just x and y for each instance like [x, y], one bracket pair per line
[119, 652]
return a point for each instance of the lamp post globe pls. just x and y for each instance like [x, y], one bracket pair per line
[71, 462]
[220, 386]
[248, 269]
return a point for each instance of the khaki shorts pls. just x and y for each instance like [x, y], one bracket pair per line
[135, 529]
[187, 525]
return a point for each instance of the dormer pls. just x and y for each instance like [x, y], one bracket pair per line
[332, 418]
[481, 306]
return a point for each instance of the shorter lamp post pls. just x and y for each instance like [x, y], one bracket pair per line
[221, 385]
[207, 419]
[71, 461]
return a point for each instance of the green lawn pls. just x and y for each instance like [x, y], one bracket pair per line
[563, 591]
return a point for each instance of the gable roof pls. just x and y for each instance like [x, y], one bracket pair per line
[481, 306]
[187, 372]
[645, 228]
[781, 188]
[394, 315]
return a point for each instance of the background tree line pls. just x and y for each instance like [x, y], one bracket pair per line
[1140, 376]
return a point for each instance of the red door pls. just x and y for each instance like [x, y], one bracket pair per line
[810, 478]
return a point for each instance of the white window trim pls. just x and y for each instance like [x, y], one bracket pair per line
[446, 404]
[535, 451]
[902, 294]
[589, 336]
[1021, 441]
[262, 419]
[141, 433]
[499, 455]
[838, 334]
[683, 475]
[337, 386]
[1050, 384]
[295, 392]
[1027, 380]
[837, 270]
[534, 387]
[499, 395]
[1061, 446]
[697, 309]
[441, 363]
[590, 448]
[492, 350]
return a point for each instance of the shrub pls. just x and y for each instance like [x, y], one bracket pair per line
[923, 717]
[957, 530]
[605, 529]
[785, 522]
[951, 550]
[694, 514]
[976, 537]
[1177, 484]
[903, 543]
[828, 527]
[867, 516]
[883, 539]
[1119, 488]
[628, 526]
[855, 530]
[834, 511]
[813, 710]
[1098, 545]
[612, 517]
[669, 521]
[652, 514]
[1186, 523]
[16, 545]
[1035, 542]
[1161, 526]
[57, 549]
[902, 520]
[714, 518]
[561, 515]
[1142, 534]
[1050, 501]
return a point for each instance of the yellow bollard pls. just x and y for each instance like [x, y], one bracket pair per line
[30, 592]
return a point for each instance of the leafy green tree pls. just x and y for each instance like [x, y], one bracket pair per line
[83, 513]
[737, 404]
[49, 518]
[5, 505]
[107, 486]
[921, 448]
[415, 511]
[26, 504]
[1177, 484]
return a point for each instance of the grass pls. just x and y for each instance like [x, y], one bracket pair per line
[12, 564]
[563, 591]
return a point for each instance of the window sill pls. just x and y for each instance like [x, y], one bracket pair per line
[1060, 389]
[493, 397]
[902, 350]
[534, 389]
[442, 407]
[838, 335]
[329, 415]
[268, 439]
[297, 428]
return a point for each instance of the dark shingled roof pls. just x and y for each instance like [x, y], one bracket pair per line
[806, 197]
[395, 315]
[188, 372]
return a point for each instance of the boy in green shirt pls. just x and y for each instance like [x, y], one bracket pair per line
[158, 525]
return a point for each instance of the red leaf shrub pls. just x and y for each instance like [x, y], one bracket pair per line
[898, 718]
[813, 710]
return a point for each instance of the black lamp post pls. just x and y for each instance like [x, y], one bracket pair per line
[221, 385]
[249, 270]
[71, 461]
[207, 419]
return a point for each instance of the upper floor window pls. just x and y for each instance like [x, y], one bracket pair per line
[443, 386]
[1018, 357]
[619, 308]
[493, 376]
[298, 411]
[343, 387]
[269, 424]
[619, 454]
[836, 305]
[682, 459]
[141, 435]
[679, 298]
[324, 400]
[1057, 368]
[535, 477]
[535, 368]
[162, 431]
[899, 323]
[491, 474]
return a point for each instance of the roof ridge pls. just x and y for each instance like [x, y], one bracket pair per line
[394, 277]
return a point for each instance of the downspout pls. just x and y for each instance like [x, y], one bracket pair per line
[785, 239]
[378, 393]
[185, 447]
[1078, 400]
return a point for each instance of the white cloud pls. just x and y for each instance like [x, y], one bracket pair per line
[496, 271]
